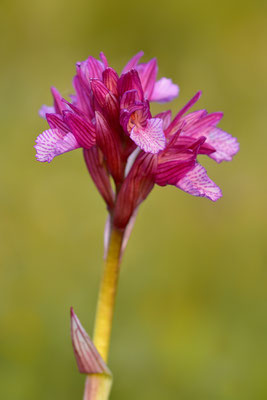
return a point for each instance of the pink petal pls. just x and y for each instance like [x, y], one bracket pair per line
[110, 79]
[202, 126]
[129, 99]
[109, 143]
[46, 110]
[55, 121]
[174, 126]
[103, 59]
[52, 143]
[190, 119]
[130, 81]
[82, 129]
[96, 165]
[150, 138]
[226, 145]
[59, 106]
[197, 183]
[176, 161]
[166, 117]
[105, 98]
[100, 91]
[148, 73]
[135, 188]
[88, 359]
[133, 62]
[90, 68]
[84, 98]
[164, 90]
[171, 170]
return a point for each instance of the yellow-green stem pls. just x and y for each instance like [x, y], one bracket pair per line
[107, 294]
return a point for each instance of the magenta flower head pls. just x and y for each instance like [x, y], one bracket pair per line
[109, 117]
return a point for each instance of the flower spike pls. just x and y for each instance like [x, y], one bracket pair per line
[127, 150]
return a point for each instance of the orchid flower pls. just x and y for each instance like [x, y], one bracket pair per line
[109, 117]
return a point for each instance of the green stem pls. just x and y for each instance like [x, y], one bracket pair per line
[107, 294]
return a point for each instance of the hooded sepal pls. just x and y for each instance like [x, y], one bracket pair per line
[135, 188]
[108, 141]
[110, 79]
[97, 168]
[83, 130]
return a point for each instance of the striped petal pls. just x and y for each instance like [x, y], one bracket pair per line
[226, 145]
[148, 73]
[133, 62]
[135, 188]
[166, 117]
[176, 123]
[52, 143]
[149, 138]
[164, 90]
[82, 129]
[197, 183]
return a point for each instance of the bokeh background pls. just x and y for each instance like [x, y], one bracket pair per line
[190, 319]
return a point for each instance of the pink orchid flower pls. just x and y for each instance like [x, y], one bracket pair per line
[109, 118]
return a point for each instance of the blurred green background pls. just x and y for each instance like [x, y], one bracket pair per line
[190, 320]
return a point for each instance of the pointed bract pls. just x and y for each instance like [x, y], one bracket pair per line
[88, 359]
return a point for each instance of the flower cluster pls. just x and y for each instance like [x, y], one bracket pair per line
[109, 118]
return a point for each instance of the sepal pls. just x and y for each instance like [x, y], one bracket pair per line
[135, 188]
[97, 168]
[108, 141]
[110, 79]
[84, 131]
